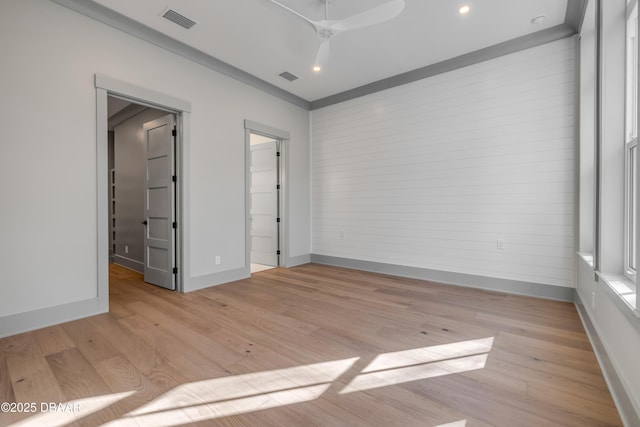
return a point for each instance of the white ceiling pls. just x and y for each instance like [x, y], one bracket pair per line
[264, 40]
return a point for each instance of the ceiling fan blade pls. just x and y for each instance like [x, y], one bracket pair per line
[288, 9]
[375, 15]
[323, 54]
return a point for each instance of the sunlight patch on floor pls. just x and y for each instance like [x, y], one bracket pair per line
[413, 373]
[435, 353]
[239, 394]
[67, 414]
[461, 423]
[422, 363]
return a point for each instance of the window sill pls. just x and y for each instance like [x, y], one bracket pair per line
[619, 284]
[624, 288]
[588, 258]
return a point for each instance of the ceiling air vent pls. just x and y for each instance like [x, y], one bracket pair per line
[176, 18]
[287, 75]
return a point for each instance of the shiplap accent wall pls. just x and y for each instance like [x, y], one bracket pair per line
[432, 174]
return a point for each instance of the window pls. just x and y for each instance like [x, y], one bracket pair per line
[630, 253]
[631, 142]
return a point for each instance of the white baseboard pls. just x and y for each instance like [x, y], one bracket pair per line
[201, 282]
[129, 263]
[28, 321]
[460, 279]
[297, 260]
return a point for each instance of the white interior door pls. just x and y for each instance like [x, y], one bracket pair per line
[264, 203]
[159, 237]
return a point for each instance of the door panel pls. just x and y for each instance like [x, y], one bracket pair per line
[264, 203]
[159, 238]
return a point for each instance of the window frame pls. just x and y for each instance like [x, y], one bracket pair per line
[631, 141]
[630, 209]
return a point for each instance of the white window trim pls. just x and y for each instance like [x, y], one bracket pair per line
[631, 141]
[624, 288]
[630, 205]
[620, 285]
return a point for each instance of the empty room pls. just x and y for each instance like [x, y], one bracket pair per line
[319, 213]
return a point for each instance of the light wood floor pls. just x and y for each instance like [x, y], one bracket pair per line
[311, 346]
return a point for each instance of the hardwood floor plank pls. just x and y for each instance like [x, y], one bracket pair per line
[579, 402]
[481, 401]
[429, 412]
[193, 364]
[31, 377]
[178, 308]
[314, 346]
[75, 375]
[373, 411]
[134, 348]
[557, 335]
[551, 313]
[531, 368]
[118, 305]
[80, 382]
[6, 390]
[290, 340]
[93, 345]
[323, 412]
[123, 378]
[561, 356]
[53, 340]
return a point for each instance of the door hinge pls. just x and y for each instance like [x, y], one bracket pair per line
[175, 225]
[277, 154]
[174, 132]
[175, 270]
[173, 178]
[278, 187]
[277, 252]
[277, 219]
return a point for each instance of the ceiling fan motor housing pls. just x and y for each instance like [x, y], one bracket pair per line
[325, 33]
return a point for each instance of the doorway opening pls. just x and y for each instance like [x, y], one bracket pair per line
[266, 166]
[181, 111]
[142, 190]
[265, 202]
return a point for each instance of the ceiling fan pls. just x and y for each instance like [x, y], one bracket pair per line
[326, 28]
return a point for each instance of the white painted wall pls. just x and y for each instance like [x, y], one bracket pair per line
[432, 174]
[48, 162]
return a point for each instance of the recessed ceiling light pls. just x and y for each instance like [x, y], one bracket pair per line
[538, 19]
[464, 9]
[316, 68]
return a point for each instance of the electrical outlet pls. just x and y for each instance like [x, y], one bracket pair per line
[126, 249]
[218, 260]
[500, 245]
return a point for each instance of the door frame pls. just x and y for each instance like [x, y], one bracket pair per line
[105, 87]
[283, 208]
